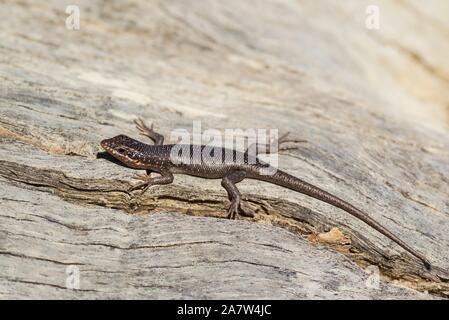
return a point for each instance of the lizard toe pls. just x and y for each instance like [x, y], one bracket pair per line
[233, 210]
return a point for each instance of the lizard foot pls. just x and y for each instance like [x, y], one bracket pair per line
[144, 130]
[235, 211]
[147, 182]
[142, 127]
[283, 139]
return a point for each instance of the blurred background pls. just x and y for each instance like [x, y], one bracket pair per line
[390, 54]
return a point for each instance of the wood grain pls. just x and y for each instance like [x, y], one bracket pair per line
[371, 104]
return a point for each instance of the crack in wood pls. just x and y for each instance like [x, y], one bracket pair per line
[19, 255]
[290, 216]
[49, 285]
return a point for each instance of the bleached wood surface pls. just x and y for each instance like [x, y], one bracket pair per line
[371, 104]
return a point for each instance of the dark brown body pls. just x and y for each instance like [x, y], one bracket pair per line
[219, 163]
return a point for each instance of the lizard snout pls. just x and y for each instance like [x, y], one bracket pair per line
[104, 143]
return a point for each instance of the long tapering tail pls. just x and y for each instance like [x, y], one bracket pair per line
[286, 180]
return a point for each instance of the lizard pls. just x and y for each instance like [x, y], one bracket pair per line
[169, 159]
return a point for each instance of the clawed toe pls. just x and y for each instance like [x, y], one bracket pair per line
[141, 185]
[283, 140]
[142, 127]
[144, 130]
[143, 177]
[136, 187]
[233, 211]
[144, 186]
[292, 141]
[288, 148]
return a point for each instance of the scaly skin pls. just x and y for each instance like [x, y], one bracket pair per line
[229, 165]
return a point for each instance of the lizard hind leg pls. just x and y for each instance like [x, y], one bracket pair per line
[284, 139]
[229, 183]
[276, 144]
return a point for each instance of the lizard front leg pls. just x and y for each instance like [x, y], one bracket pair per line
[148, 181]
[228, 182]
[144, 130]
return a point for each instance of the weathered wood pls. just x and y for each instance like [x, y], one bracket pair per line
[315, 73]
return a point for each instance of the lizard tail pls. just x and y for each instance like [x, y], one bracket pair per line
[286, 180]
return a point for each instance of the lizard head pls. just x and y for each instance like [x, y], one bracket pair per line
[127, 150]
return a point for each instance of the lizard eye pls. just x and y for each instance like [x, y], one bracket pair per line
[121, 150]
